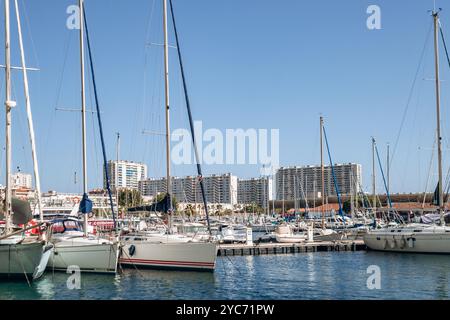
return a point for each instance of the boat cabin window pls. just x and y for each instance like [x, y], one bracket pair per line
[66, 225]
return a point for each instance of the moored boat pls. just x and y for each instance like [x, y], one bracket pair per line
[145, 252]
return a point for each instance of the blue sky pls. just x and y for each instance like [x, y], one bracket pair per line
[250, 64]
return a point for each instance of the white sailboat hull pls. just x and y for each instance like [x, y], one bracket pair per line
[327, 235]
[290, 238]
[409, 239]
[199, 256]
[20, 260]
[88, 256]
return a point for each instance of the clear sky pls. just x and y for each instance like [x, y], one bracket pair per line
[249, 64]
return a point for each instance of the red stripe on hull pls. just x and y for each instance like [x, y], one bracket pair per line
[163, 262]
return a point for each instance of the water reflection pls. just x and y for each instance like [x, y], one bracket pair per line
[318, 275]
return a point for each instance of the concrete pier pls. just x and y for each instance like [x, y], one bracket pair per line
[284, 248]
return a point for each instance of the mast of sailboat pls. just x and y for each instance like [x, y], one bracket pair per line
[438, 111]
[166, 88]
[29, 116]
[322, 170]
[388, 174]
[295, 194]
[374, 195]
[8, 105]
[83, 112]
[284, 190]
[116, 174]
[306, 192]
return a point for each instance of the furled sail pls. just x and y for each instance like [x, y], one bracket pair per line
[85, 205]
[164, 205]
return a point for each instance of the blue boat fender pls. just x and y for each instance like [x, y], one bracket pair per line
[132, 250]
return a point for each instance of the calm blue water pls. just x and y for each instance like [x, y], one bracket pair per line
[319, 275]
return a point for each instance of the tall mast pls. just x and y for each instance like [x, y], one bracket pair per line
[352, 207]
[295, 193]
[116, 173]
[29, 116]
[374, 195]
[322, 170]
[283, 193]
[306, 192]
[167, 96]
[8, 104]
[83, 110]
[388, 168]
[438, 111]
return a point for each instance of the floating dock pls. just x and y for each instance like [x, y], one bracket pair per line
[284, 248]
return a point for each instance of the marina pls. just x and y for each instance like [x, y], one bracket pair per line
[136, 198]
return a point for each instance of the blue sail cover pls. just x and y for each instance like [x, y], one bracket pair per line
[85, 205]
[164, 205]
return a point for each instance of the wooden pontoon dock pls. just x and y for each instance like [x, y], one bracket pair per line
[286, 248]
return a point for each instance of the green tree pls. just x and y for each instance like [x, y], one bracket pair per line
[254, 208]
[129, 198]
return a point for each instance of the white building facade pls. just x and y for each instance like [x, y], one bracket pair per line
[299, 182]
[255, 191]
[22, 181]
[126, 174]
[219, 189]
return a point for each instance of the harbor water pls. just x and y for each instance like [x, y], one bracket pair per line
[318, 275]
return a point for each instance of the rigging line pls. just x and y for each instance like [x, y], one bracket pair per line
[445, 45]
[430, 168]
[28, 27]
[100, 126]
[404, 176]
[333, 174]
[382, 174]
[59, 88]
[146, 63]
[191, 122]
[410, 95]
[94, 148]
[21, 131]
[445, 48]
[149, 24]
[361, 190]
[447, 184]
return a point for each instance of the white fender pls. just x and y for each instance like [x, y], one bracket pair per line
[410, 242]
[392, 243]
[402, 242]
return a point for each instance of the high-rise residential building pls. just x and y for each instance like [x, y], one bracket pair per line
[22, 180]
[255, 191]
[306, 182]
[151, 187]
[220, 189]
[125, 174]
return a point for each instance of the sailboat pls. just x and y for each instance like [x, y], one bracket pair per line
[140, 250]
[21, 255]
[417, 237]
[324, 233]
[73, 243]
